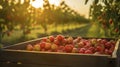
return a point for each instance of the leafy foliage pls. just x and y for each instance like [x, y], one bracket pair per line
[107, 12]
[14, 14]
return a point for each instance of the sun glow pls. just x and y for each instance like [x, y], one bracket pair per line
[37, 3]
[55, 2]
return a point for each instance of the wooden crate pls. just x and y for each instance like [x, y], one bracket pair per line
[17, 56]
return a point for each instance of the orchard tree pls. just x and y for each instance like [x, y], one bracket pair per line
[107, 13]
[6, 21]
[14, 13]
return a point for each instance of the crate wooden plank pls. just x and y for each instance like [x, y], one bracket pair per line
[55, 59]
[4, 64]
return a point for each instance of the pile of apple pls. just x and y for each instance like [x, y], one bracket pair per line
[80, 45]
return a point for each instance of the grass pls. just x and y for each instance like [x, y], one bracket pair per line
[84, 30]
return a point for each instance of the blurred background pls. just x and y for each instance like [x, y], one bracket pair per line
[23, 20]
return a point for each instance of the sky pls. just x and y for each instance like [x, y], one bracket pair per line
[79, 6]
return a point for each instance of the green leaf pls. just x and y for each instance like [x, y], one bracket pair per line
[106, 2]
[111, 1]
[96, 1]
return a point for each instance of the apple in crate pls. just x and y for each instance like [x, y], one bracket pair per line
[36, 47]
[68, 48]
[47, 46]
[29, 47]
[51, 38]
[54, 47]
[74, 45]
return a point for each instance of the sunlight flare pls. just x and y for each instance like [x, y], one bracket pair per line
[55, 2]
[37, 3]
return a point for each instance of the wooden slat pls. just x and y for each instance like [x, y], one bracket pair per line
[3, 64]
[55, 59]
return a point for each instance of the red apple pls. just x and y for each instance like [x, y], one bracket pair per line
[108, 45]
[110, 52]
[64, 41]
[47, 46]
[68, 48]
[51, 38]
[59, 37]
[99, 49]
[110, 21]
[88, 44]
[88, 52]
[82, 50]
[92, 49]
[42, 45]
[56, 42]
[61, 48]
[103, 41]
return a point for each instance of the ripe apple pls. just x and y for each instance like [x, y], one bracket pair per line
[110, 52]
[51, 38]
[75, 41]
[88, 52]
[94, 41]
[36, 47]
[70, 40]
[81, 44]
[42, 45]
[29, 47]
[68, 48]
[64, 41]
[56, 42]
[92, 49]
[82, 50]
[110, 21]
[103, 41]
[47, 46]
[108, 45]
[54, 47]
[59, 37]
[61, 48]
[88, 44]
[99, 49]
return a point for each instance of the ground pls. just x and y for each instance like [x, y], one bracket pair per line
[83, 29]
